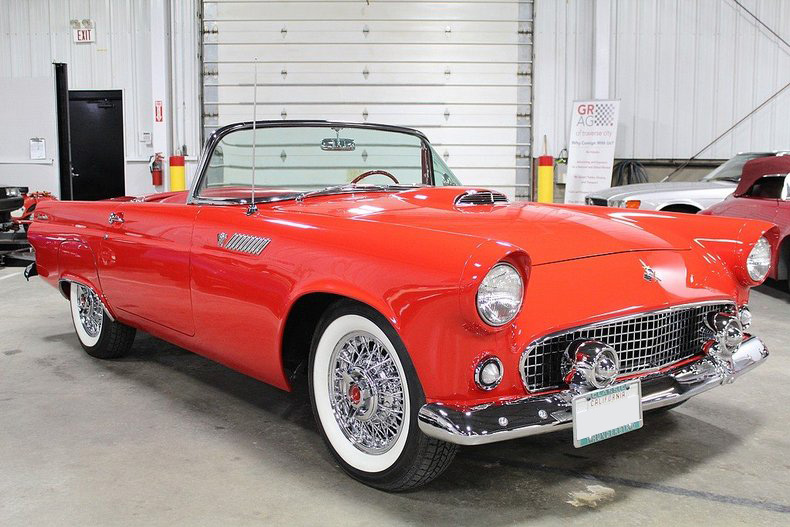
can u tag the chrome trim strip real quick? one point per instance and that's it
(522, 361)
(547, 413)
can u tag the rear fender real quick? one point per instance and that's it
(78, 263)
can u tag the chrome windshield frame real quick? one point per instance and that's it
(214, 139)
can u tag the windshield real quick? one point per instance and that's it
(299, 158)
(730, 170)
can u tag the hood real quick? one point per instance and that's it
(626, 191)
(547, 233)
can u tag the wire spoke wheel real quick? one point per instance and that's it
(366, 392)
(90, 310)
(365, 395)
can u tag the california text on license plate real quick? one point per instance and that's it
(607, 412)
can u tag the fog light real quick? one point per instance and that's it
(746, 317)
(590, 363)
(488, 373)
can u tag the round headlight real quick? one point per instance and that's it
(499, 295)
(759, 260)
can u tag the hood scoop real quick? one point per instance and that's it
(479, 197)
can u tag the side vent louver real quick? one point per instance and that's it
(244, 243)
(480, 197)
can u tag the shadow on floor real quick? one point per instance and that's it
(509, 482)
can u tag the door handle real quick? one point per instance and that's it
(115, 217)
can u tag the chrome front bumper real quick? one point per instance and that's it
(541, 414)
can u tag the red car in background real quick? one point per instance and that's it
(764, 194)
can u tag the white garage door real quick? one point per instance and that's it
(460, 71)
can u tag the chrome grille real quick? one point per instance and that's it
(244, 243)
(480, 197)
(643, 342)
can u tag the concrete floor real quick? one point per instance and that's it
(165, 437)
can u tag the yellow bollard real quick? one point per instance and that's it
(545, 179)
(178, 180)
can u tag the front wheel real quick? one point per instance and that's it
(99, 335)
(365, 396)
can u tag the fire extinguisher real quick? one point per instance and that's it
(155, 166)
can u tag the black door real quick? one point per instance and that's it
(96, 129)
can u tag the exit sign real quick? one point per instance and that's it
(84, 35)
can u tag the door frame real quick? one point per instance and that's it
(63, 129)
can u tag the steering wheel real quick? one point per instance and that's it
(369, 173)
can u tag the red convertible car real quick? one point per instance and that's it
(764, 193)
(424, 315)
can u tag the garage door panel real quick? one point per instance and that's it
(373, 77)
(351, 52)
(359, 10)
(361, 32)
(355, 93)
(270, 66)
(415, 116)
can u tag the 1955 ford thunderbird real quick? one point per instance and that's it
(425, 315)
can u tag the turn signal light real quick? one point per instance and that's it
(633, 204)
(488, 373)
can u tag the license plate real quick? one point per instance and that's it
(607, 412)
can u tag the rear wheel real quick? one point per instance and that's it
(99, 335)
(365, 396)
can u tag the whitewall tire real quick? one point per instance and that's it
(99, 335)
(365, 395)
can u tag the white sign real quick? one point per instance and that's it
(38, 148)
(591, 148)
(84, 35)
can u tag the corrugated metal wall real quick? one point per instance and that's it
(458, 70)
(685, 71)
(36, 33)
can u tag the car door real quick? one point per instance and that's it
(238, 291)
(144, 262)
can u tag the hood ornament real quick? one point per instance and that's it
(650, 274)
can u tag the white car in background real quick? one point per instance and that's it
(677, 193)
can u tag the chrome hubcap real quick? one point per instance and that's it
(366, 392)
(91, 311)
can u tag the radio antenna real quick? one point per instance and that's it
(253, 208)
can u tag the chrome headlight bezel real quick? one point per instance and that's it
(758, 262)
(516, 301)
